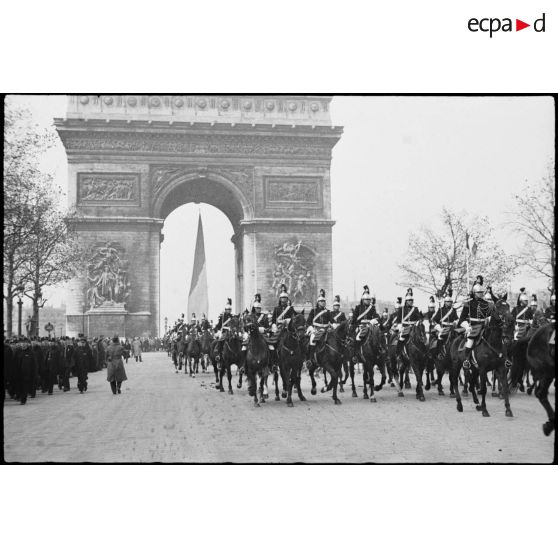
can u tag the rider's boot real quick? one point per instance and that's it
(467, 353)
(310, 355)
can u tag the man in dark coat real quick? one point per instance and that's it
(337, 316)
(363, 315)
(84, 362)
(284, 311)
(116, 374)
(25, 371)
(318, 320)
(444, 318)
(405, 318)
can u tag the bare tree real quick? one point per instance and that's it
(437, 256)
(533, 219)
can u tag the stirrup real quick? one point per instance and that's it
(466, 364)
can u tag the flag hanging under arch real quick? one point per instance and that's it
(198, 297)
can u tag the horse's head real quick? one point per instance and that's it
(418, 333)
(234, 324)
(297, 325)
(503, 318)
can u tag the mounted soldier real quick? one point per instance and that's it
(405, 318)
(522, 315)
(284, 311)
(363, 315)
(474, 317)
(318, 320)
(388, 324)
(445, 318)
(428, 315)
(337, 316)
(550, 311)
(261, 319)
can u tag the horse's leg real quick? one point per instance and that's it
(289, 371)
(407, 379)
(417, 369)
(371, 382)
(400, 383)
(541, 393)
(298, 389)
(440, 368)
(365, 380)
(229, 379)
(263, 386)
(381, 363)
(276, 382)
(427, 386)
(313, 391)
(222, 372)
(501, 374)
(483, 389)
(334, 381)
(352, 374)
(343, 380)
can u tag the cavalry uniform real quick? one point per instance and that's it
(284, 311)
(474, 316)
(364, 314)
(337, 317)
(318, 320)
(444, 318)
(261, 320)
(523, 317)
(405, 317)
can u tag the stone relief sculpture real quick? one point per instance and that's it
(292, 191)
(294, 268)
(117, 188)
(107, 276)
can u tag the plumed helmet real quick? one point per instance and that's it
(257, 297)
(522, 296)
(431, 302)
(449, 295)
(366, 293)
(488, 295)
(336, 300)
(478, 288)
(398, 302)
(322, 297)
(409, 294)
(228, 306)
(534, 300)
(553, 297)
(385, 312)
(283, 291)
(479, 280)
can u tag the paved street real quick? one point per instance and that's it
(166, 417)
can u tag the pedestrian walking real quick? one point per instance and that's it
(136, 349)
(115, 366)
(127, 349)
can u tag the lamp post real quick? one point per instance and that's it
(19, 307)
(84, 308)
(166, 322)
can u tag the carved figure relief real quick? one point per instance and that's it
(107, 275)
(107, 187)
(281, 190)
(294, 268)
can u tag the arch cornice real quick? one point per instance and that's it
(239, 181)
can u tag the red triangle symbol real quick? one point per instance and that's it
(519, 25)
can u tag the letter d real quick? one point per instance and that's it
(535, 25)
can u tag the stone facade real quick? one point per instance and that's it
(265, 162)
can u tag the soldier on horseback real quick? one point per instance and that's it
(223, 325)
(405, 318)
(318, 320)
(283, 311)
(550, 311)
(261, 320)
(522, 315)
(364, 314)
(474, 316)
(444, 318)
(337, 316)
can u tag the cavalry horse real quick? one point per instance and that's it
(290, 351)
(205, 344)
(442, 358)
(372, 352)
(490, 353)
(329, 356)
(193, 353)
(541, 359)
(256, 361)
(414, 355)
(231, 353)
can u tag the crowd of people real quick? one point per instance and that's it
(39, 364)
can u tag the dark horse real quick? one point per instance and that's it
(193, 353)
(257, 360)
(291, 356)
(490, 353)
(541, 359)
(231, 352)
(205, 341)
(329, 356)
(414, 355)
(372, 353)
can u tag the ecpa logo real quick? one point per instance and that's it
(492, 25)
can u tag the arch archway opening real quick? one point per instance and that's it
(177, 257)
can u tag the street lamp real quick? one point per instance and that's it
(20, 290)
(166, 322)
(84, 308)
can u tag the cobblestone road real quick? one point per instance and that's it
(166, 417)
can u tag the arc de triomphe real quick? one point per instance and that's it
(263, 160)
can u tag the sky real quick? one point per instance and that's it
(399, 162)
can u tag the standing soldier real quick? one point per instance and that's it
(405, 318)
(337, 316)
(84, 359)
(474, 316)
(283, 312)
(318, 320)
